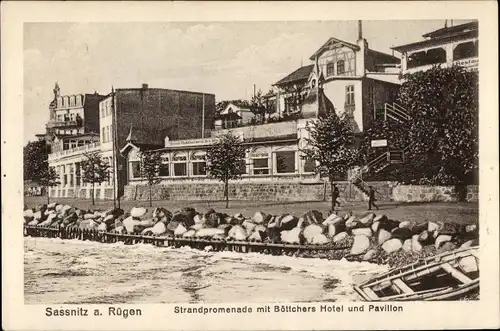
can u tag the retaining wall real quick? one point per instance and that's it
(428, 193)
(292, 191)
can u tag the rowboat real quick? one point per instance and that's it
(447, 276)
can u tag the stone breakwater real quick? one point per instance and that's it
(370, 237)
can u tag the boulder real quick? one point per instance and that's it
(159, 228)
(340, 236)
(468, 264)
(415, 243)
(406, 224)
(260, 228)
(312, 230)
(362, 231)
(130, 223)
(407, 245)
(441, 239)
(360, 245)
(471, 228)
(37, 215)
(432, 226)
(375, 226)
(274, 234)
(138, 212)
(102, 227)
(383, 236)
(392, 245)
(51, 205)
(33, 222)
(209, 232)
(90, 216)
(291, 236)
(225, 227)
(367, 220)
(351, 222)
(237, 232)
(180, 229)
(219, 237)
(259, 218)
(369, 255)
(273, 222)
(256, 236)
(109, 219)
(313, 217)
(469, 243)
(213, 220)
(319, 239)
(447, 246)
(249, 226)
(426, 238)
(197, 226)
(172, 226)
(333, 219)
(58, 208)
(183, 218)
(198, 219)
(401, 233)
(380, 218)
(287, 222)
(189, 234)
(88, 224)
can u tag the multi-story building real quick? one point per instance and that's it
(152, 113)
(73, 119)
(451, 45)
(358, 80)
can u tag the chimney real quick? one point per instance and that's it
(144, 86)
(360, 30)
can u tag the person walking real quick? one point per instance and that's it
(371, 198)
(335, 196)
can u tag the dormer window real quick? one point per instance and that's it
(340, 67)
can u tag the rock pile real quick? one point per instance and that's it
(371, 237)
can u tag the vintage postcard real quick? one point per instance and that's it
(250, 165)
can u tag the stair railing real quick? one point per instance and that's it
(379, 159)
(395, 112)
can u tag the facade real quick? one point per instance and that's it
(358, 81)
(71, 115)
(454, 45)
(151, 114)
(235, 114)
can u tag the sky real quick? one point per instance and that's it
(223, 58)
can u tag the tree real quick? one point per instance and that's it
(443, 135)
(331, 144)
(225, 161)
(95, 170)
(260, 105)
(48, 178)
(35, 158)
(150, 170)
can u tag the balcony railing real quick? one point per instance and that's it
(76, 150)
(62, 124)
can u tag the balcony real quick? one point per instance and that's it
(63, 124)
(93, 147)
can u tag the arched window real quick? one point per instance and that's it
(198, 164)
(180, 164)
(423, 58)
(466, 50)
(164, 166)
(260, 161)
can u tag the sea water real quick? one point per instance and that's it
(74, 271)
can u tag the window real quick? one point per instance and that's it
(65, 145)
(135, 169)
(74, 143)
(110, 177)
(109, 133)
(199, 165)
(65, 176)
(329, 69)
(102, 109)
(180, 164)
(309, 165)
(71, 173)
(349, 95)
(81, 143)
(77, 173)
(466, 50)
(164, 170)
(260, 160)
(340, 67)
(431, 56)
(285, 162)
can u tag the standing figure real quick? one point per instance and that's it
(335, 196)
(371, 198)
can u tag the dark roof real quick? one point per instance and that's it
(300, 74)
(452, 30)
(292, 136)
(386, 58)
(147, 147)
(75, 135)
(239, 103)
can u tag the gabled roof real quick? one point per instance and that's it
(452, 30)
(298, 75)
(140, 147)
(334, 40)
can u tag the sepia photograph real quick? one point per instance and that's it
(255, 161)
(257, 165)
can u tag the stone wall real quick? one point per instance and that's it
(291, 191)
(428, 193)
